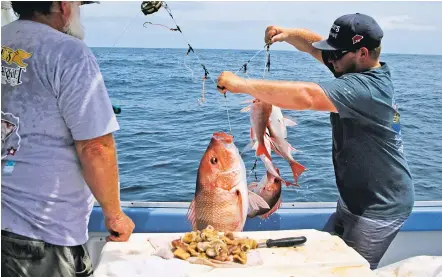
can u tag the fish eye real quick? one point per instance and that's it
(213, 160)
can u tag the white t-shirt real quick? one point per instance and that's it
(52, 94)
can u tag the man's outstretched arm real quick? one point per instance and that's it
(284, 94)
(301, 39)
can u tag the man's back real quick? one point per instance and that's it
(372, 173)
(52, 94)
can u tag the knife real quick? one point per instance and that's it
(284, 242)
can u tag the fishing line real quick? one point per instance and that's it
(133, 19)
(150, 7)
(117, 110)
(266, 70)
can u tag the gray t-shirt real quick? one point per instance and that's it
(52, 94)
(372, 172)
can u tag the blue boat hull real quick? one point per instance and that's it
(420, 235)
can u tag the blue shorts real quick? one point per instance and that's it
(369, 237)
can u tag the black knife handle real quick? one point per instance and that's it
(286, 242)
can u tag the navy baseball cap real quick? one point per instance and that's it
(89, 2)
(350, 32)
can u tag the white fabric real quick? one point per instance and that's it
(420, 266)
(322, 255)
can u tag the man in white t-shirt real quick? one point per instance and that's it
(58, 149)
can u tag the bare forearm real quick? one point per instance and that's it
(284, 94)
(289, 95)
(302, 40)
(100, 170)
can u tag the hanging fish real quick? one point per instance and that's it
(222, 199)
(269, 188)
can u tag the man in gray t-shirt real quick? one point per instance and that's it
(376, 191)
(58, 150)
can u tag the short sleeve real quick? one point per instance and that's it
(84, 102)
(349, 95)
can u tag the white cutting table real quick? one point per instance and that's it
(322, 255)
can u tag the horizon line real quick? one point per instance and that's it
(240, 49)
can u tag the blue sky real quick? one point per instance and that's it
(409, 27)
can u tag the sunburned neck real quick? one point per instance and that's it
(370, 66)
(44, 19)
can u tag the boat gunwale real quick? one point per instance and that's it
(286, 205)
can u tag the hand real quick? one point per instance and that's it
(274, 34)
(120, 226)
(228, 81)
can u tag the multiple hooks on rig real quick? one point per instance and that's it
(150, 7)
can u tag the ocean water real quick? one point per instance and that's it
(165, 131)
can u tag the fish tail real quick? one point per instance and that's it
(272, 210)
(262, 150)
(297, 170)
(288, 184)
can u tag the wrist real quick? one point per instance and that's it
(111, 211)
(243, 86)
(291, 34)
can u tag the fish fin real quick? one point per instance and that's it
(297, 169)
(246, 109)
(247, 101)
(262, 150)
(256, 202)
(249, 146)
(289, 121)
(191, 214)
(270, 167)
(293, 149)
(275, 172)
(274, 146)
(240, 207)
(252, 134)
(273, 209)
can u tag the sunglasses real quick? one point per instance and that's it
(336, 55)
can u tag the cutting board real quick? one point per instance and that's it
(322, 255)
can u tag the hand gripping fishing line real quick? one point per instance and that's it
(150, 7)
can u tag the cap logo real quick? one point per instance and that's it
(357, 38)
(334, 28)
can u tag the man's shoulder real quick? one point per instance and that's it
(60, 47)
(379, 75)
(70, 48)
(381, 71)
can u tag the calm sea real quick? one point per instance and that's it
(165, 131)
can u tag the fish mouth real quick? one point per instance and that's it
(223, 137)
